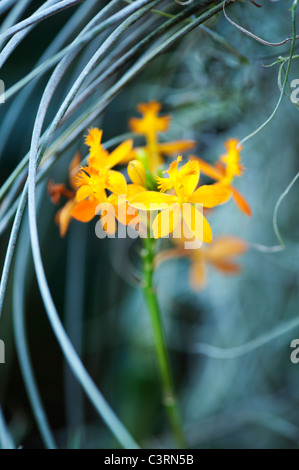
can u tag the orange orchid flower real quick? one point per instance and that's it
(150, 125)
(114, 207)
(225, 170)
(117, 208)
(175, 208)
(220, 255)
(64, 215)
(99, 158)
(97, 176)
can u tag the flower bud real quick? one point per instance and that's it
(136, 172)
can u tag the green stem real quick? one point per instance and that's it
(169, 398)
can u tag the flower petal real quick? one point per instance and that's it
(164, 184)
(152, 107)
(83, 193)
(150, 200)
(176, 147)
(136, 172)
(197, 275)
(151, 122)
(64, 216)
(97, 154)
(209, 170)
(166, 221)
(133, 190)
(116, 182)
(57, 190)
(227, 267)
(226, 247)
(241, 202)
(74, 170)
(94, 137)
(173, 169)
(211, 195)
(120, 153)
(197, 223)
(189, 177)
(85, 211)
(98, 158)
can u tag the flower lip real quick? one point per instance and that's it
(173, 208)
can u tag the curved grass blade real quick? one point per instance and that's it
(21, 274)
(17, 39)
(38, 17)
(6, 441)
(21, 99)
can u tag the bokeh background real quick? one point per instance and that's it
(245, 397)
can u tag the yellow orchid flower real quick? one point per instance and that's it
(175, 208)
(117, 207)
(93, 179)
(99, 158)
(151, 122)
(64, 215)
(93, 199)
(91, 183)
(150, 125)
(232, 161)
(98, 175)
(91, 192)
(225, 170)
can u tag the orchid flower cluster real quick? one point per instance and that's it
(154, 200)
